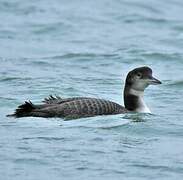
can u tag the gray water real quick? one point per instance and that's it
(85, 48)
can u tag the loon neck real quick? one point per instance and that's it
(134, 100)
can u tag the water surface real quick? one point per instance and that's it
(86, 48)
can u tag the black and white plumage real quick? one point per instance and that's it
(79, 107)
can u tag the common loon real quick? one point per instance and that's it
(79, 107)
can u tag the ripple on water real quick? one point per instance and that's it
(45, 138)
(175, 84)
(30, 161)
(162, 56)
(13, 79)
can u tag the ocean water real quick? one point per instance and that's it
(85, 48)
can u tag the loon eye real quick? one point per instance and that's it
(139, 75)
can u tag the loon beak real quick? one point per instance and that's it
(154, 81)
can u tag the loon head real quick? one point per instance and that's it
(136, 81)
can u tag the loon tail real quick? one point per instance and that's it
(23, 110)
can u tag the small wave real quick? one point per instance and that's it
(82, 168)
(45, 138)
(137, 117)
(142, 19)
(46, 28)
(176, 83)
(42, 63)
(158, 167)
(9, 79)
(7, 99)
(4, 79)
(98, 122)
(97, 139)
(29, 161)
(113, 126)
(161, 56)
(79, 55)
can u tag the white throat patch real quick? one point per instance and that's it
(136, 92)
(142, 107)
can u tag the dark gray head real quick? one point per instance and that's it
(136, 82)
(140, 78)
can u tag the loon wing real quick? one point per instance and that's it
(51, 99)
(58, 100)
